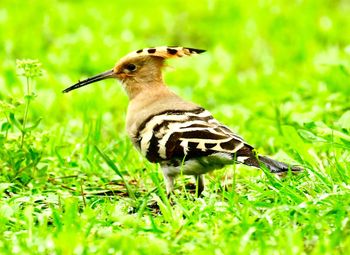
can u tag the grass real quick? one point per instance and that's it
(277, 73)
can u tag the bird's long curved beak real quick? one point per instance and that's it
(98, 77)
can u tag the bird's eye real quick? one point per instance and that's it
(130, 67)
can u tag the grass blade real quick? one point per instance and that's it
(111, 164)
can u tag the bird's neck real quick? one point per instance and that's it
(147, 93)
(136, 88)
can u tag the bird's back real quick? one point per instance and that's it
(172, 131)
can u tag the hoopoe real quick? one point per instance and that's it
(179, 135)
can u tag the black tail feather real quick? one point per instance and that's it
(277, 167)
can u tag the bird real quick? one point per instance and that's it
(183, 137)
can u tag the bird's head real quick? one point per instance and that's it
(139, 67)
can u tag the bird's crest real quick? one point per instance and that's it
(165, 52)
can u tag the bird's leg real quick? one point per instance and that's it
(199, 184)
(169, 183)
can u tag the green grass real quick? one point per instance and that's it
(278, 73)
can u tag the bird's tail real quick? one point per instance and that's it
(277, 167)
(274, 166)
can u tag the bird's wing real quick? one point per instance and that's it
(188, 134)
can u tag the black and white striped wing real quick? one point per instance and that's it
(187, 134)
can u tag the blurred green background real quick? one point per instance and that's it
(261, 55)
(276, 72)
